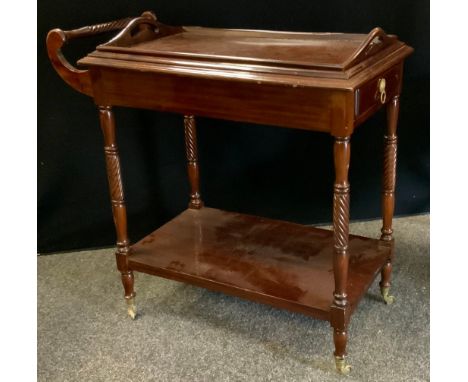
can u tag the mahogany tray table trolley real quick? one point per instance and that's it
(327, 82)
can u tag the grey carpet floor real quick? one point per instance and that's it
(185, 333)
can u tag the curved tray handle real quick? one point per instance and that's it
(126, 36)
(141, 29)
(79, 79)
(376, 40)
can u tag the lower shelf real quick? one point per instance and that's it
(284, 264)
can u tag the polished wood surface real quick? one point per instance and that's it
(228, 87)
(341, 251)
(285, 106)
(284, 264)
(326, 82)
(319, 54)
(119, 211)
(389, 168)
(388, 183)
(367, 102)
(314, 81)
(191, 148)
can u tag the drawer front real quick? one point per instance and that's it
(372, 95)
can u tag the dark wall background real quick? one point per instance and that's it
(268, 171)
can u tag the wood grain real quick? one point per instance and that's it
(192, 161)
(116, 190)
(324, 82)
(284, 264)
(389, 168)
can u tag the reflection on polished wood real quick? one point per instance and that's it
(326, 82)
(270, 261)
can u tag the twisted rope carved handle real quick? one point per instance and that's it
(97, 29)
(56, 38)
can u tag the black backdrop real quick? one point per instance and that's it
(267, 171)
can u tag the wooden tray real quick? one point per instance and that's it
(328, 55)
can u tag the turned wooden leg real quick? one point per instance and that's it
(342, 150)
(388, 191)
(119, 212)
(192, 161)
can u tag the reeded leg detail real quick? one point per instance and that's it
(119, 210)
(192, 161)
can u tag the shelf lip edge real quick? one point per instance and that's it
(230, 290)
(320, 311)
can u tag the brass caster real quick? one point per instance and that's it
(131, 308)
(387, 298)
(342, 366)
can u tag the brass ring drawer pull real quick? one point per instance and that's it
(381, 89)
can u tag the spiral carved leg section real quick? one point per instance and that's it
(388, 186)
(119, 210)
(388, 192)
(341, 233)
(342, 152)
(389, 169)
(192, 161)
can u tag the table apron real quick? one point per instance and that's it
(309, 108)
